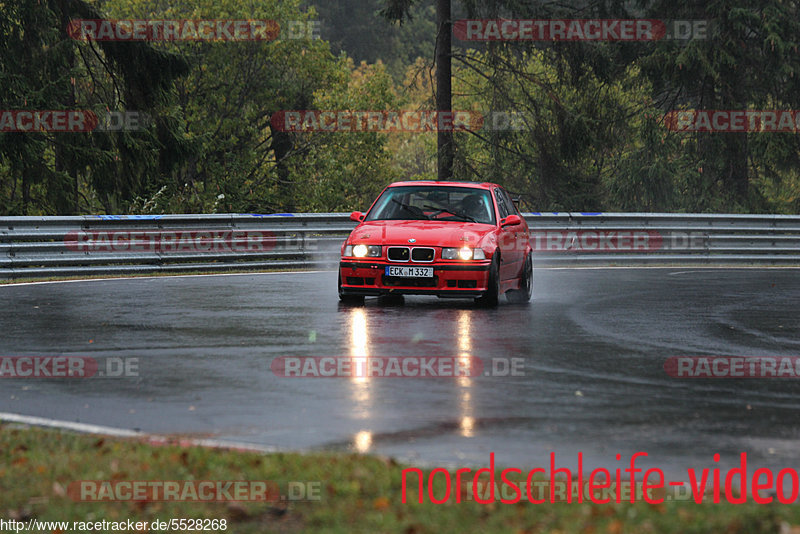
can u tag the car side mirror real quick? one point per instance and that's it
(357, 216)
(511, 220)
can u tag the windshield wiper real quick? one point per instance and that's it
(464, 216)
(452, 212)
(411, 209)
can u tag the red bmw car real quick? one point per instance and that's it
(449, 239)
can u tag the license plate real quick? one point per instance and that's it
(409, 272)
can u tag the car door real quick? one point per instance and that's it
(521, 231)
(507, 241)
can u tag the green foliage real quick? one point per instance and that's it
(590, 129)
(227, 99)
(341, 171)
(571, 143)
(41, 68)
(748, 61)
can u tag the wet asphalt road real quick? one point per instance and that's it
(594, 342)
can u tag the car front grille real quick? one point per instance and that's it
(398, 253)
(422, 254)
(418, 254)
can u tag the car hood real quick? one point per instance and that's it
(426, 233)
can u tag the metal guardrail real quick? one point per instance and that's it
(130, 244)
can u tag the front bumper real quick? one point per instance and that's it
(453, 280)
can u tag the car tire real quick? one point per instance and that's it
(490, 299)
(349, 299)
(523, 294)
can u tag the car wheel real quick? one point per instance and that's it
(523, 294)
(490, 298)
(348, 299)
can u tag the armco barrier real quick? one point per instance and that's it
(128, 244)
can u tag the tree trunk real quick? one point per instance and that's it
(444, 97)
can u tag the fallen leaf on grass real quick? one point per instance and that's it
(615, 527)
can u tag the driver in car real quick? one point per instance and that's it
(472, 205)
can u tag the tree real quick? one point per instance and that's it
(398, 10)
(749, 60)
(42, 68)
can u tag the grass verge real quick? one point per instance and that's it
(357, 493)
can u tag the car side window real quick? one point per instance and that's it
(512, 208)
(501, 204)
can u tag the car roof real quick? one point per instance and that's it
(474, 185)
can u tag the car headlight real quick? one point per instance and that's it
(362, 251)
(449, 253)
(464, 253)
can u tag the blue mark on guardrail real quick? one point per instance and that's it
(540, 213)
(269, 214)
(122, 217)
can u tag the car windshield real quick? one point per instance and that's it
(437, 203)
